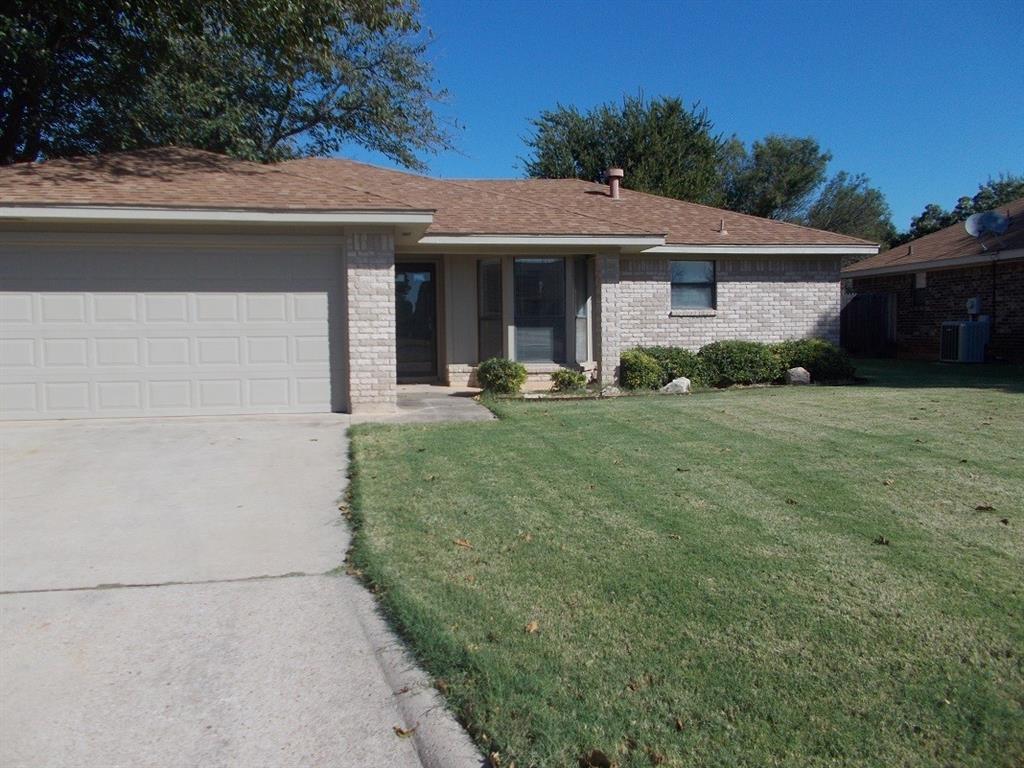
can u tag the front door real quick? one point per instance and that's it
(416, 321)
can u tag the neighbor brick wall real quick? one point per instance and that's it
(768, 299)
(919, 319)
(370, 295)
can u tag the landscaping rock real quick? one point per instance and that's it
(610, 391)
(798, 376)
(680, 386)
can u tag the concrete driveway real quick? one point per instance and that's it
(170, 598)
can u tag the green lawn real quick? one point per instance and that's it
(785, 576)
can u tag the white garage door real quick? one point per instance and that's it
(94, 329)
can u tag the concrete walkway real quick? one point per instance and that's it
(170, 598)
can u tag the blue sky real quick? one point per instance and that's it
(927, 99)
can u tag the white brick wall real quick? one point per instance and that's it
(769, 299)
(370, 295)
(608, 304)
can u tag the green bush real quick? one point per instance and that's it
(501, 376)
(566, 380)
(675, 362)
(724, 363)
(638, 370)
(822, 359)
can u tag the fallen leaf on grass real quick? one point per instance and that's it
(405, 733)
(679, 724)
(1005, 521)
(881, 541)
(888, 481)
(532, 627)
(791, 501)
(442, 685)
(675, 536)
(464, 543)
(595, 758)
(984, 508)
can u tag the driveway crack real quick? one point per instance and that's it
(148, 585)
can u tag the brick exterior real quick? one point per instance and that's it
(608, 317)
(767, 299)
(999, 285)
(370, 297)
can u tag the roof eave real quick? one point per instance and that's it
(754, 249)
(173, 215)
(986, 257)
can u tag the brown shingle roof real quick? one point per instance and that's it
(174, 177)
(188, 178)
(566, 206)
(467, 208)
(682, 222)
(953, 242)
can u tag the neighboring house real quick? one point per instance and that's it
(921, 284)
(174, 281)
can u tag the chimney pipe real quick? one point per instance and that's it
(614, 176)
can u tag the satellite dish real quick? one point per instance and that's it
(987, 223)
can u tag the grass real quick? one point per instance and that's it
(786, 576)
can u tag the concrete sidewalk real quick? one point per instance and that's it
(246, 647)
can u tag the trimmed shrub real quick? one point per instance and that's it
(724, 363)
(638, 370)
(823, 359)
(566, 380)
(501, 376)
(675, 362)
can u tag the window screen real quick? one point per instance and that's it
(693, 284)
(489, 308)
(540, 310)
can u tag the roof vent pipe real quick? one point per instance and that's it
(614, 176)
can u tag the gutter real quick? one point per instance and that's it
(767, 250)
(142, 215)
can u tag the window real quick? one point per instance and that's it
(488, 278)
(693, 284)
(581, 294)
(539, 286)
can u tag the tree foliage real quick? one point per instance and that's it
(667, 149)
(993, 193)
(664, 147)
(777, 178)
(260, 80)
(849, 205)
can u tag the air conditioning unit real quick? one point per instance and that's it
(964, 341)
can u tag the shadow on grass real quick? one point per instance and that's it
(911, 374)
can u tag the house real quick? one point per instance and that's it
(174, 281)
(920, 285)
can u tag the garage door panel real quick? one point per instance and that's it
(137, 336)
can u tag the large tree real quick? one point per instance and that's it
(258, 79)
(993, 193)
(664, 147)
(776, 178)
(851, 206)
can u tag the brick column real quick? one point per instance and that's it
(608, 305)
(370, 300)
